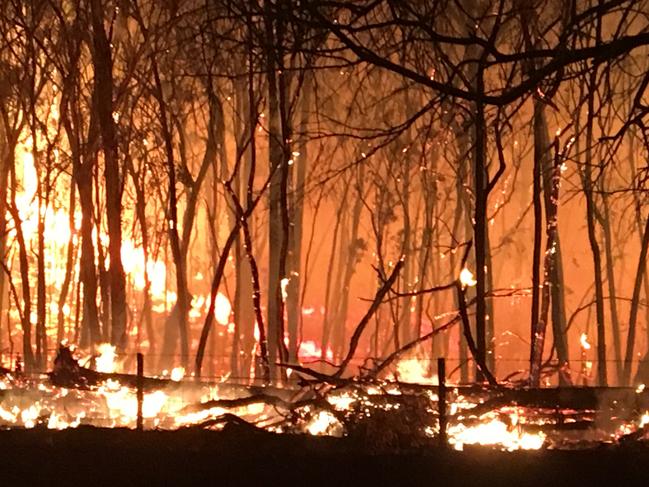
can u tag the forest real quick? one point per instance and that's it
(249, 189)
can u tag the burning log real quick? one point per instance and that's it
(69, 373)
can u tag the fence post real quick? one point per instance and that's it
(441, 401)
(140, 390)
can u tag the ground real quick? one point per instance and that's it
(93, 456)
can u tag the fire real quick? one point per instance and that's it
(323, 423)
(284, 286)
(177, 374)
(122, 403)
(644, 420)
(223, 309)
(467, 279)
(494, 433)
(105, 362)
(310, 350)
(341, 402)
(583, 340)
(415, 371)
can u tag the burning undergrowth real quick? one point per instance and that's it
(377, 415)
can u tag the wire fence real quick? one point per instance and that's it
(218, 367)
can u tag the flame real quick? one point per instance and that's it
(122, 402)
(583, 341)
(644, 420)
(105, 362)
(322, 423)
(341, 402)
(492, 431)
(414, 371)
(310, 350)
(284, 285)
(467, 279)
(177, 374)
(495, 433)
(223, 309)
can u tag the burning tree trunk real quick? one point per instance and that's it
(462, 208)
(549, 268)
(102, 61)
(70, 115)
(544, 179)
(545, 176)
(480, 226)
(536, 254)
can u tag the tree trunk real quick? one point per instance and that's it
(88, 273)
(278, 167)
(28, 355)
(102, 61)
(244, 317)
(592, 237)
(355, 246)
(300, 164)
(635, 301)
(181, 308)
(69, 266)
(545, 175)
(480, 227)
(610, 277)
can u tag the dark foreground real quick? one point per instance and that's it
(90, 456)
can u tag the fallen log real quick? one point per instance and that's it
(67, 372)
